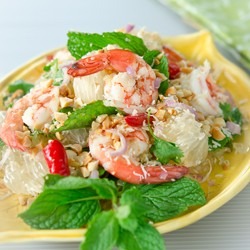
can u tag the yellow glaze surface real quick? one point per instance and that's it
(198, 47)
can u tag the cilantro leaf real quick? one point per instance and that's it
(55, 209)
(232, 114)
(20, 84)
(145, 237)
(170, 199)
(102, 233)
(214, 144)
(79, 44)
(165, 151)
(83, 117)
(52, 71)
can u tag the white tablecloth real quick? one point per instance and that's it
(28, 28)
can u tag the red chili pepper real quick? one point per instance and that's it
(137, 120)
(174, 70)
(56, 158)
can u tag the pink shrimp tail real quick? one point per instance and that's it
(116, 59)
(137, 174)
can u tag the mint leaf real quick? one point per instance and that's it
(232, 114)
(20, 84)
(102, 233)
(62, 209)
(145, 237)
(165, 151)
(150, 55)
(170, 199)
(79, 44)
(104, 188)
(132, 207)
(162, 66)
(83, 117)
(163, 87)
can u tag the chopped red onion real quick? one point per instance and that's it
(94, 174)
(129, 28)
(233, 127)
(173, 104)
(131, 71)
(157, 82)
(123, 146)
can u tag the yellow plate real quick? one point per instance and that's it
(198, 46)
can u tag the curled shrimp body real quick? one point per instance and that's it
(207, 94)
(129, 82)
(33, 110)
(122, 151)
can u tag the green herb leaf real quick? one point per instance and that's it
(214, 144)
(162, 66)
(79, 44)
(104, 188)
(165, 151)
(163, 87)
(132, 208)
(52, 71)
(20, 84)
(150, 55)
(145, 237)
(231, 113)
(1, 143)
(82, 118)
(55, 209)
(170, 199)
(102, 233)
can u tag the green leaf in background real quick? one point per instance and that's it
(228, 21)
(79, 44)
(170, 199)
(20, 84)
(83, 117)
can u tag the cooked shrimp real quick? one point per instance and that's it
(207, 94)
(121, 151)
(129, 82)
(33, 110)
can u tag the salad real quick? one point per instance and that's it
(117, 133)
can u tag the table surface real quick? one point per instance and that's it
(28, 28)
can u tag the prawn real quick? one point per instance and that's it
(129, 82)
(207, 94)
(33, 110)
(122, 148)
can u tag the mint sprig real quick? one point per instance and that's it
(116, 214)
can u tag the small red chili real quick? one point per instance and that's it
(174, 70)
(137, 120)
(56, 158)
